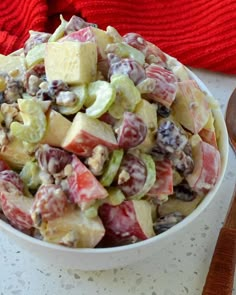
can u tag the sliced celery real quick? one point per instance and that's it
(81, 93)
(101, 96)
(112, 167)
(124, 50)
(60, 30)
(127, 96)
(35, 55)
(34, 119)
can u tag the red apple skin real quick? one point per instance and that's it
(164, 179)
(209, 136)
(121, 223)
(165, 85)
(85, 133)
(91, 34)
(82, 35)
(15, 206)
(13, 177)
(207, 164)
(83, 187)
(4, 165)
(83, 144)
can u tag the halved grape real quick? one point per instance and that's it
(34, 119)
(150, 178)
(132, 131)
(101, 97)
(131, 175)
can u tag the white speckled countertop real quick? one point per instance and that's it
(178, 269)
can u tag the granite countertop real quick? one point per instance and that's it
(178, 269)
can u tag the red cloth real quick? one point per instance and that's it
(199, 33)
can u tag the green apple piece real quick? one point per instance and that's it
(102, 39)
(114, 34)
(70, 61)
(112, 167)
(57, 127)
(115, 196)
(124, 50)
(74, 229)
(102, 95)
(92, 211)
(30, 175)
(191, 108)
(127, 96)
(13, 65)
(177, 178)
(60, 30)
(148, 113)
(143, 211)
(173, 205)
(150, 178)
(15, 154)
(177, 68)
(34, 119)
(208, 132)
(35, 55)
(81, 93)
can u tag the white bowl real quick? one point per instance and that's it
(107, 258)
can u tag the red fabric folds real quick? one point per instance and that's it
(199, 33)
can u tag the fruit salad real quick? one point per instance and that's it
(105, 139)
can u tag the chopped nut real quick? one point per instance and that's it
(3, 138)
(43, 85)
(71, 239)
(33, 84)
(66, 98)
(10, 112)
(13, 91)
(123, 176)
(98, 159)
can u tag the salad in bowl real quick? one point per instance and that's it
(106, 141)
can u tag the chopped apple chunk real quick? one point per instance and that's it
(71, 62)
(85, 133)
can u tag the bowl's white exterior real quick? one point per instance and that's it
(107, 258)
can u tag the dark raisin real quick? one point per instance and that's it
(184, 192)
(13, 91)
(163, 111)
(183, 163)
(43, 95)
(2, 100)
(169, 138)
(188, 149)
(164, 223)
(56, 86)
